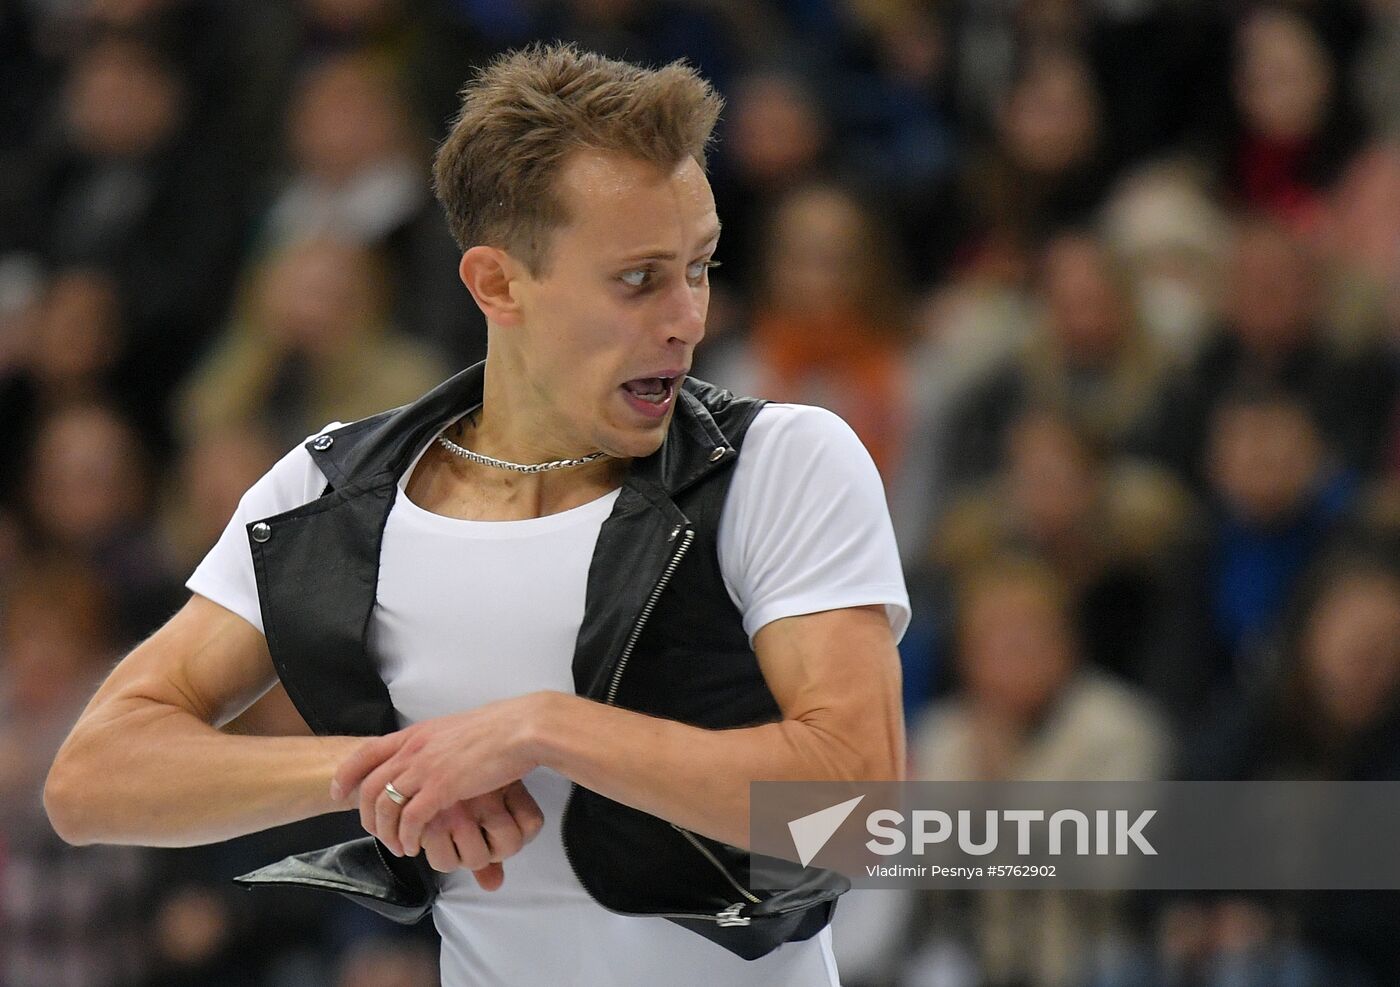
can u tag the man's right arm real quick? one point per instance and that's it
(147, 762)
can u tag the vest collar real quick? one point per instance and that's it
(694, 444)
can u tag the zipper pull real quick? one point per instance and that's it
(730, 916)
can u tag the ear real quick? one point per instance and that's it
(489, 274)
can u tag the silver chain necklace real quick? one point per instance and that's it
(501, 464)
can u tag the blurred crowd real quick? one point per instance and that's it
(1109, 288)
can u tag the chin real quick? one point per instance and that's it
(640, 447)
(635, 443)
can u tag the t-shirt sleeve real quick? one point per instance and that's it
(226, 574)
(806, 527)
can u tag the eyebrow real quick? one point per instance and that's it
(668, 254)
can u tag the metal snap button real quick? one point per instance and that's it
(717, 455)
(322, 443)
(262, 531)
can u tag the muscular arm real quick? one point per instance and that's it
(147, 762)
(836, 678)
(834, 674)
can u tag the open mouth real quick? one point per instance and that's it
(653, 390)
(651, 397)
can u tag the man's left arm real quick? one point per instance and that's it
(836, 678)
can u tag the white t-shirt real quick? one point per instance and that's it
(468, 612)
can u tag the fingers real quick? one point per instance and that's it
(483, 830)
(387, 813)
(490, 877)
(362, 760)
(476, 834)
(524, 809)
(419, 811)
(454, 840)
(440, 849)
(471, 845)
(503, 835)
(509, 817)
(380, 815)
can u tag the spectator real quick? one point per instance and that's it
(1362, 251)
(1045, 170)
(1028, 709)
(68, 355)
(358, 165)
(1272, 336)
(151, 150)
(1332, 714)
(133, 165)
(1170, 236)
(776, 136)
(210, 477)
(1089, 356)
(888, 82)
(1296, 132)
(1334, 711)
(1278, 498)
(313, 346)
(964, 330)
(1106, 529)
(69, 917)
(830, 327)
(88, 496)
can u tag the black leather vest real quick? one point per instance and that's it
(660, 635)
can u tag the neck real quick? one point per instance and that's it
(515, 421)
(508, 426)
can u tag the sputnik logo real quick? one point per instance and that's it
(811, 832)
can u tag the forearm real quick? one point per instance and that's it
(834, 675)
(144, 772)
(699, 779)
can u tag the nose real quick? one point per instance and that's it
(686, 312)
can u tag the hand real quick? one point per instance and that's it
(437, 763)
(479, 833)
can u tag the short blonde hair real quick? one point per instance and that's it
(523, 114)
(1016, 570)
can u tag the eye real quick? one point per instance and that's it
(635, 279)
(697, 271)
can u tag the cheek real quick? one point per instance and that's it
(584, 351)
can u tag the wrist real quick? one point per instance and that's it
(332, 753)
(539, 726)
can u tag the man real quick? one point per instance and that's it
(555, 584)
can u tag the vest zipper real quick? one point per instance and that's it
(695, 842)
(731, 915)
(646, 614)
(379, 851)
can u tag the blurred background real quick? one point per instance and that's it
(1109, 288)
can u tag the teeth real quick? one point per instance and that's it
(654, 397)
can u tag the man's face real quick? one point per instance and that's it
(1086, 308)
(1351, 650)
(610, 328)
(1265, 460)
(1272, 283)
(1018, 651)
